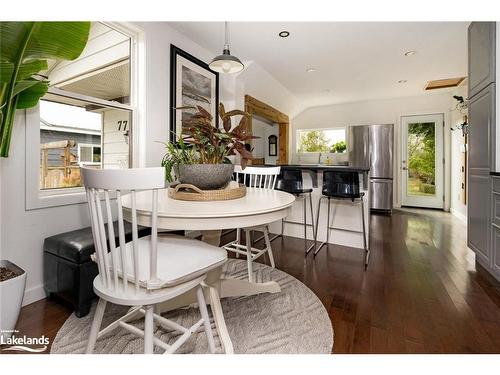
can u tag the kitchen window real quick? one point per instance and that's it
(321, 140)
(84, 120)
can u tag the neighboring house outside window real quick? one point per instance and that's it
(89, 123)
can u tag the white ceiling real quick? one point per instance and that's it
(353, 60)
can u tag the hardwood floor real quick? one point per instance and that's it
(420, 294)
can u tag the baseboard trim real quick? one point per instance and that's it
(34, 294)
(459, 215)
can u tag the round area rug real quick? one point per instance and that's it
(293, 321)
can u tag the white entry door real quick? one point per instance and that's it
(422, 161)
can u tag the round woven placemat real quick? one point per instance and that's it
(187, 192)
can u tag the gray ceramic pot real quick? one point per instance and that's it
(206, 176)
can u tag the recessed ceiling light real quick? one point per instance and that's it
(402, 81)
(310, 70)
(284, 34)
(409, 53)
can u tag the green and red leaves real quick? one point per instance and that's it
(214, 145)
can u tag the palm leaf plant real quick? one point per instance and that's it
(203, 143)
(25, 48)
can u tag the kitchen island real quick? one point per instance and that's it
(346, 214)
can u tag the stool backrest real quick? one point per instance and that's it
(257, 177)
(290, 180)
(342, 184)
(105, 183)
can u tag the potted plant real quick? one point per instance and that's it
(26, 49)
(339, 147)
(12, 283)
(200, 157)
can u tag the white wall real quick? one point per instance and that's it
(159, 36)
(23, 231)
(258, 83)
(385, 111)
(259, 130)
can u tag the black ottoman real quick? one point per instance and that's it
(68, 270)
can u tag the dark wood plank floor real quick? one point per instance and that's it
(420, 294)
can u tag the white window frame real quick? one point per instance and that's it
(297, 138)
(38, 199)
(80, 145)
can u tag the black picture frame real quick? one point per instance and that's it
(273, 145)
(174, 53)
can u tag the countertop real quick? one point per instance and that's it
(321, 167)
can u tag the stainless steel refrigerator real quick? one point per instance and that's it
(372, 146)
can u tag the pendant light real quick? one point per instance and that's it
(226, 63)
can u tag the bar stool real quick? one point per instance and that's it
(341, 185)
(290, 181)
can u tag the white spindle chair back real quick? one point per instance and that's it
(103, 183)
(258, 177)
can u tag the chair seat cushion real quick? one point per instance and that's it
(179, 260)
(78, 245)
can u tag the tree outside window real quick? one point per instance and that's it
(321, 140)
(421, 159)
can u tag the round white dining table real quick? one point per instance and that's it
(257, 207)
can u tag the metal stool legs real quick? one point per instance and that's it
(365, 245)
(329, 228)
(316, 251)
(304, 223)
(312, 223)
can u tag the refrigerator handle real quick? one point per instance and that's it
(368, 144)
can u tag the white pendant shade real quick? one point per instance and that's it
(226, 63)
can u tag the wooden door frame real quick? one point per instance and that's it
(256, 107)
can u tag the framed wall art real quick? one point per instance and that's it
(192, 83)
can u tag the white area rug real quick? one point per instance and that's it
(293, 321)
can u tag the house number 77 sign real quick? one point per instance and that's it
(123, 124)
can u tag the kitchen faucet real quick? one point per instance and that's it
(319, 158)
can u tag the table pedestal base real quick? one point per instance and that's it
(240, 288)
(217, 288)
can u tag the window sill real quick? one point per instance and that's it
(63, 197)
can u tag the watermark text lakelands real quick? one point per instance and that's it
(24, 340)
(23, 343)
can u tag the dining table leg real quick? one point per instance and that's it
(220, 323)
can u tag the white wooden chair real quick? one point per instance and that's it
(146, 271)
(260, 178)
